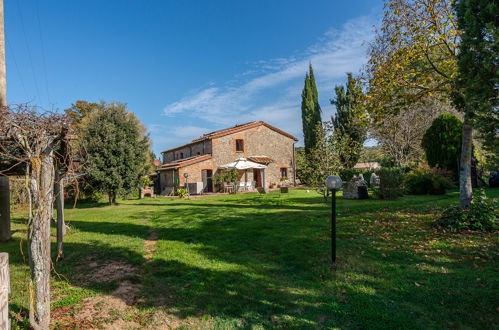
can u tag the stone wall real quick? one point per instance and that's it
(258, 141)
(195, 149)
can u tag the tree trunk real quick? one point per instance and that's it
(4, 208)
(112, 198)
(39, 241)
(59, 205)
(465, 188)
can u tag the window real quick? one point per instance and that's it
(284, 172)
(199, 153)
(239, 145)
(181, 155)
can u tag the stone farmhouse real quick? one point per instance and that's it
(197, 161)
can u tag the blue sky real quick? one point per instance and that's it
(185, 67)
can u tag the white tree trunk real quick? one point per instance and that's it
(465, 187)
(39, 241)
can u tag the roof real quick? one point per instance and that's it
(185, 162)
(232, 130)
(261, 159)
(368, 165)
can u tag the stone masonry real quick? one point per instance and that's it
(259, 140)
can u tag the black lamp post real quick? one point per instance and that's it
(333, 183)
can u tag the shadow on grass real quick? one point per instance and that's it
(268, 266)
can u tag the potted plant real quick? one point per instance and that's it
(283, 181)
(182, 193)
(273, 185)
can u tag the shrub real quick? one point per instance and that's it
(181, 192)
(146, 181)
(426, 181)
(482, 214)
(391, 183)
(442, 142)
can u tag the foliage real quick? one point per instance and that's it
(413, 56)
(426, 181)
(477, 78)
(483, 214)
(391, 183)
(416, 55)
(146, 181)
(323, 159)
(116, 149)
(442, 142)
(350, 119)
(400, 134)
(222, 176)
(80, 109)
(181, 192)
(310, 111)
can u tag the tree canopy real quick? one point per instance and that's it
(477, 80)
(116, 149)
(350, 120)
(442, 142)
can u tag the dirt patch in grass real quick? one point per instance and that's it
(110, 311)
(150, 244)
(110, 272)
(104, 311)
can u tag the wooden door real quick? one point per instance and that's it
(207, 176)
(257, 176)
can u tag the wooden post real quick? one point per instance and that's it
(4, 209)
(59, 205)
(4, 181)
(4, 291)
(3, 76)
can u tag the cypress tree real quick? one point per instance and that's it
(310, 111)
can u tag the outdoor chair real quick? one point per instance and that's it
(228, 187)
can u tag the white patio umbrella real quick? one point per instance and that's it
(243, 164)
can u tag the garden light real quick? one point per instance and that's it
(333, 183)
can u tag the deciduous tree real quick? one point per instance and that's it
(37, 142)
(415, 55)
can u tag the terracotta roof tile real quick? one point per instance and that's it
(184, 162)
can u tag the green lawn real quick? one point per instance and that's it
(246, 261)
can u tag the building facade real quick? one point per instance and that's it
(198, 161)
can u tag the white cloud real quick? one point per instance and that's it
(273, 93)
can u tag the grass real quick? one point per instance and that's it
(246, 261)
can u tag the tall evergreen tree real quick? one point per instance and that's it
(116, 149)
(310, 111)
(478, 77)
(350, 120)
